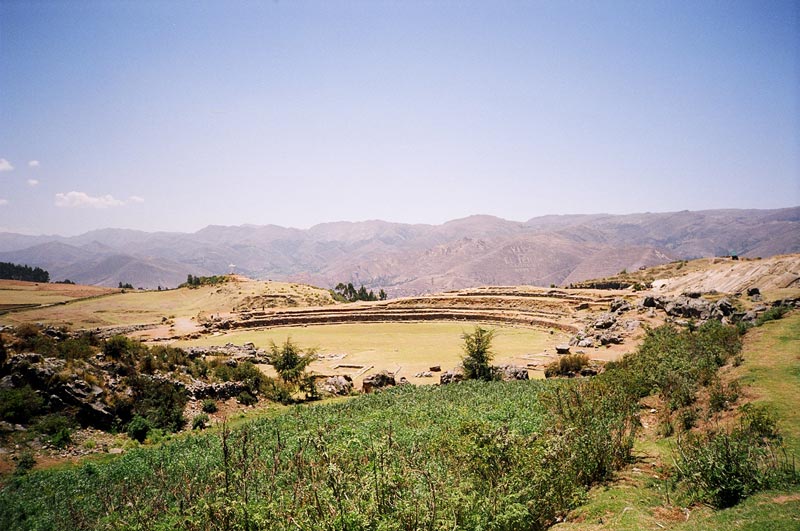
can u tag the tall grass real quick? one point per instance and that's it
(477, 455)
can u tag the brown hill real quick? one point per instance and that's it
(413, 259)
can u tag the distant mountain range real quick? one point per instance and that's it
(408, 259)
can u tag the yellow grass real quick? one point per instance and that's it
(145, 307)
(405, 348)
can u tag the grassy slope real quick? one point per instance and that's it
(141, 307)
(771, 371)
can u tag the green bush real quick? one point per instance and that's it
(246, 399)
(19, 405)
(722, 396)
(774, 313)
(58, 427)
(674, 362)
(478, 354)
(209, 405)
(200, 422)
(724, 468)
(25, 463)
(160, 402)
(138, 428)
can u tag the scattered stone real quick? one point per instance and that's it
(610, 339)
(513, 372)
(562, 349)
(587, 342)
(338, 385)
(435, 368)
(424, 374)
(454, 376)
(605, 321)
(620, 306)
(378, 381)
(582, 306)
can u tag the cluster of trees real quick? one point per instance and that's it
(127, 285)
(11, 271)
(194, 281)
(348, 292)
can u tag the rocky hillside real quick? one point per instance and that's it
(413, 259)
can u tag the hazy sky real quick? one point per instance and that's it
(174, 115)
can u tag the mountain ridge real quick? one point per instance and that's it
(410, 259)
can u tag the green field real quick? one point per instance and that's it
(409, 347)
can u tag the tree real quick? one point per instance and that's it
(478, 354)
(290, 361)
(382, 295)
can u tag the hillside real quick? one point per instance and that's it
(162, 312)
(408, 259)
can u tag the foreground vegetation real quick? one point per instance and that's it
(475, 455)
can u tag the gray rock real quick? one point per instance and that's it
(586, 343)
(620, 306)
(378, 381)
(340, 385)
(605, 321)
(513, 372)
(562, 349)
(454, 376)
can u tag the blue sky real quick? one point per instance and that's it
(175, 115)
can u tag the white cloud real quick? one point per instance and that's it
(83, 200)
(33, 163)
(3, 201)
(33, 182)
(135, 199)
(5, 165)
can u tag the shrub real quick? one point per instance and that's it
(138, 428)
(19, 405)
(478, 354)
(724, 468)
(75, 348)
(25, 463)
(246, 399)
(160, 402)
(58, 427)
(687, 417)
(568, 365)
(277, 391)
(674, 362)
(200, 421)
(722, 396)
(760, 420)
(774, 313)
(209, 405)
(290, 361)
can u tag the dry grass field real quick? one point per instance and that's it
(404, 348)
(145, 307)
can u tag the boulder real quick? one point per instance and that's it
(454, 376)
(513, 372)
(620, 306)
(562, 349)
(610, 339)
(752, 292)
(605, 321)
(435, 368)
(378, 381)
(338, 385)
(587, 342)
